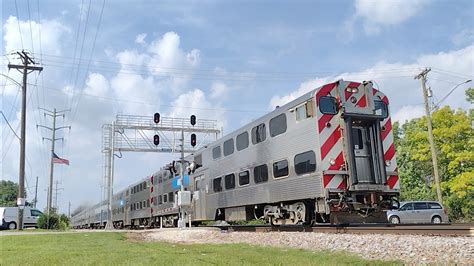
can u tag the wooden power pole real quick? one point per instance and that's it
(25, 68)
(434, 157)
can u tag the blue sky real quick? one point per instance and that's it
(226, 60)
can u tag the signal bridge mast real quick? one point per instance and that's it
(133, 133)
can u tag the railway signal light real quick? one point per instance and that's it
(193, 139)
(156, 118)
(193, 120)
(156, 140)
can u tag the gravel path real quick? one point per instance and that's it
(409, 249)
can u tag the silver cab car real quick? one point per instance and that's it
(418, 212)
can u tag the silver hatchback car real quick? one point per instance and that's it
(418, 212)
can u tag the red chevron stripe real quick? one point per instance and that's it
(347, 95)
(392, 180)
(339, 161)
(388, 128)
(389, 153)
(362, 101)
(374, 91)
(324, 90)
(330, 142)
(342, 185)
(385, 100)
(322, 121)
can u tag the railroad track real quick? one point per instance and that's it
(402, 229)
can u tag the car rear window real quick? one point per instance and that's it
(434, 205)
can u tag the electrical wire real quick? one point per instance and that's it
(6, 120)
(19, 28)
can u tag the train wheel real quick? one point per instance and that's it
(300, 212)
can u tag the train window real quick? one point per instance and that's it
(171, 197)
(217, 184)
(165, 198)
(280, 168)
(357, 137)
(258, 134)
(160, 179)
(244, 178)
(144, 204)
(277, 125)
(140, 187)
(144, 185)
(260, 173)
(216, 152)
(242, 141)
(304, 111)
(160, 201)
(228, 147)
(305, 162)
(131, 207)
(141, 205)
(229, 181)
(381, 109)
(328, 105)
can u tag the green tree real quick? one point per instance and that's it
(470, 95)
(454, 138)
(8, 193)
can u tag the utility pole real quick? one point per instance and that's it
(36, 192)
(110, 182)
(69, 210)
(182, 218)
(422, 77)
(26, 69)
(56, 189)
(53, 114)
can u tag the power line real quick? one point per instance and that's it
(31, 28)
(9, 125)
(19, 28)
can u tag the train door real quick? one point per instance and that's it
(362, 154)
(199, 197)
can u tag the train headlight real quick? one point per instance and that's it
(332, 162)
(355, 90)
(388, 163)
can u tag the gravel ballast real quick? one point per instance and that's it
(405, 248)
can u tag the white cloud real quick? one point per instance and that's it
(195, 102)
(97, 85)
(170, 61)
(377, 14)
(219, 90)
(463, 37)
(397, 81)
(140, 38)
(52, 32)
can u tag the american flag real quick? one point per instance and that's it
(56, 159)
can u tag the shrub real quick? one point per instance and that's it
(53, 221)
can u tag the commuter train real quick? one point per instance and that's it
(327, 156)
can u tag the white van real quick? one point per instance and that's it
(8, 217)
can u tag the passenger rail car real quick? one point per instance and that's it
(327, 156)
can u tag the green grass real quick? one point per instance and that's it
(115, 249)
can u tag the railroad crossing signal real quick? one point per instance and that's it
(156, 140)
(193, 120)
(156, 118)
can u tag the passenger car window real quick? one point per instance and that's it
(216, 152)
(244, 178)
(228, 147)
(280, 168)
(160, 200)
(304, 111)
(407, 207)
(420, 206)
(277, 125)
(229, 181)
(258, 134)
(217, 184)
(36, 213)
(165, 198)
(171, 197)
(242, 141)
(305, 162)
(434, 205)
(260, 173)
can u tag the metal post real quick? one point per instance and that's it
(182, 218)
(36, 192)
(110, 182)
(422, 76)
(51, 172)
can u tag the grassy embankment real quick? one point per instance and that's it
(115, 248)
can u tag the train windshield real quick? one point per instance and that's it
(381, 109)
